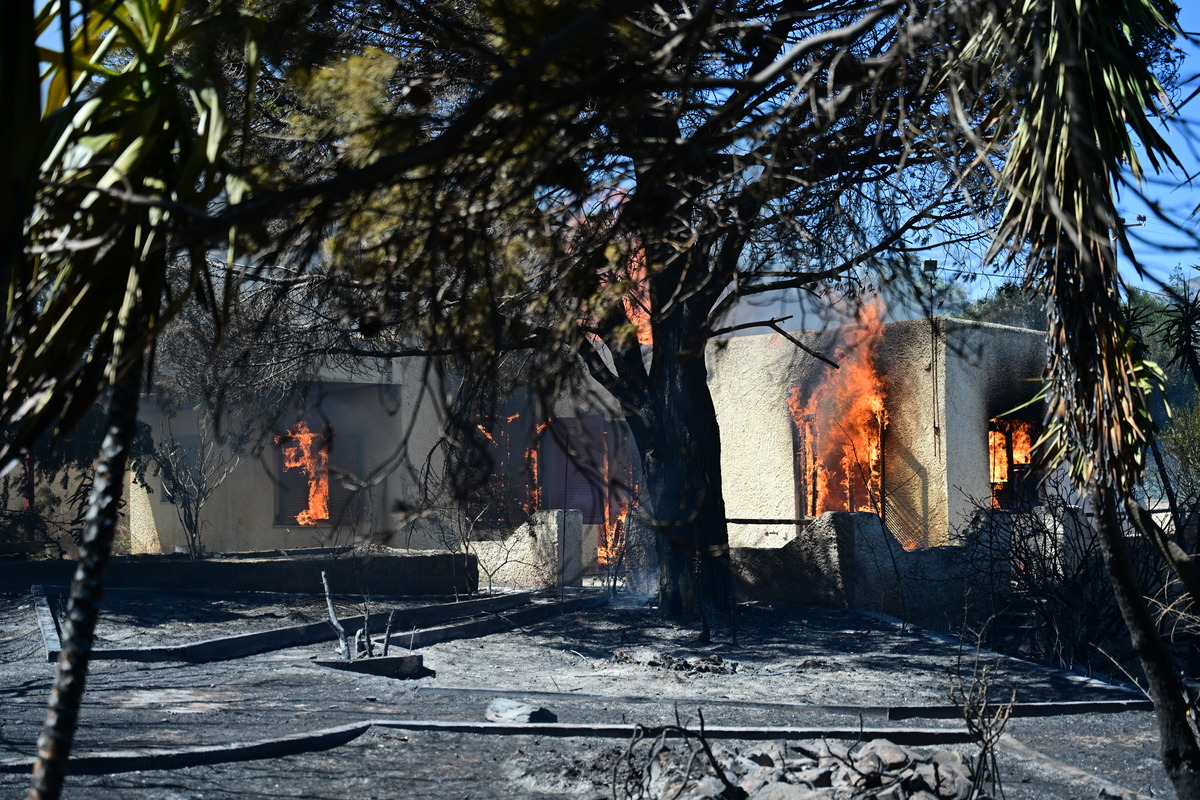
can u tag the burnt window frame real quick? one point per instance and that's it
(291, 485)
(501, 496)
(1021, 492)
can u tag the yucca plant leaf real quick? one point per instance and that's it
(122, 122)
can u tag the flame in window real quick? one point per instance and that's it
(839, 427)
(308, 452)
(510, 491)
(1010, 447)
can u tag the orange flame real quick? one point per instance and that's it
(1023, 442)
(609, 551)
(838, 429)
(1010, 444)
(637, 299)
(531, 458)
(534, 501)
(998, 462)
(309, 452)
(621, 496)
(533, 491)
(611, 548)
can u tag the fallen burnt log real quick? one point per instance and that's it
(1036, 709)
(247, 644)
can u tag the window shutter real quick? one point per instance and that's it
(507, 492)
(576, 459)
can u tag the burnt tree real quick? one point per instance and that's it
(771, 166)
(614, 204)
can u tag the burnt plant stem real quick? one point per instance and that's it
(1180, 751)
(367, 630)
(387, 633)
(343, 645)
(87, 589)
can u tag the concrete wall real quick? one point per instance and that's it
(849, 560)
(543, 552)
(800, 568)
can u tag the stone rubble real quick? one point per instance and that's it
(710, 664)
(875, 770)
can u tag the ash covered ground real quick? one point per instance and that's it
(790, 667)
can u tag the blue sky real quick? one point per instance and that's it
(1160, 246)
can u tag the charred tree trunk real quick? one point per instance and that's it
(681, 469)
(1180, 751)
(680, 446)
(83, 607)
(667, 400)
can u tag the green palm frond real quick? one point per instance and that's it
(133, 146)
(1088, 105)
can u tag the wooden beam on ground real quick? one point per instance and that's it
(916, 737)
(1045, 709)
(495, 624)
(876, 712)
(47, 623)
(178, 758)
(1039, 709)
(247, 644)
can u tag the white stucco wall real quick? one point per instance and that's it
(915, 441)
(749, 379)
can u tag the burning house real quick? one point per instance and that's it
(910, 434)
(917, 425)
(369, 458)
(320, 473)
